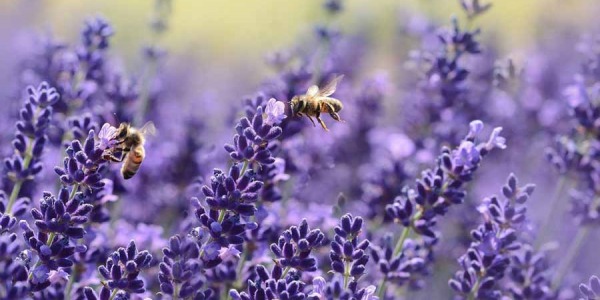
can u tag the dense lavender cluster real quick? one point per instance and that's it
(497, 247)
(250, 201)
(121, 273)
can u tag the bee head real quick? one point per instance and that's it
(296, 105)
(123, 131)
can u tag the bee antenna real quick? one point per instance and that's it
(116, 118)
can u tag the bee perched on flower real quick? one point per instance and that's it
(128, 141)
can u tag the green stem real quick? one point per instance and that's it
(13, 196)
(381, 288)
(400, 243)
(244, 167)
(19, 183)
(220, 220)
(474, 290)
(397, 250)
(285, 271)
(240, 268)
(225, 292)
(572, 252)
(113, 294)
(574, 248)
(221, 216)
(52, 235)
(70, 284)
(39, 262)
(242, 259)
(176, 291)
(545, 224)
(145, 93)
(74, 191)
(346, 274)
(51, 238)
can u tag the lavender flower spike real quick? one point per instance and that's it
(30, 138)
(121, 273)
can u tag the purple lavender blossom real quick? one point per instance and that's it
(271, 286)
(106, 135)
(178, 270)
(30, 138)
(62, 218)
(494, 245)
(252, 138)
(592, 289)
(294, 246)
(121, 273)
(275, 112)
(436, 191)
(348, 256)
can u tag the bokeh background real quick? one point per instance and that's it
(217, 53)
(229, 42)
(206, 35)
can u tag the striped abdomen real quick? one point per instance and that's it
(133, 161)
(331, 102)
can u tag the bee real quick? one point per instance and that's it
(317, 101)
(130, 143)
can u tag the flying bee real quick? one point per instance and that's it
(130, 143)
(317, 101)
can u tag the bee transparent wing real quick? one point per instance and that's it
(312, 91)
(330, 87)
(148, 128)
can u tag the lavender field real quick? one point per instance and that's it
(333, 149)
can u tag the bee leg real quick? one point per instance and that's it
(313, 121)
(336, 117)
(334, 114)
(109, 156)
(318, 116)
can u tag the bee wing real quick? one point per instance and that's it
(330, 87)
(148, 128)
(312, 91)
